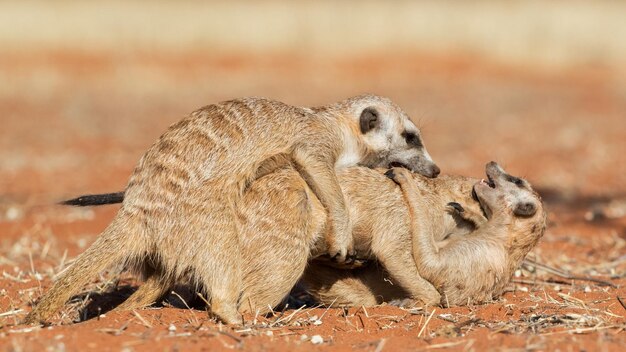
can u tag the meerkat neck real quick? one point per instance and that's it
(353, 147)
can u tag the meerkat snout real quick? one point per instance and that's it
(392, 138)
(503, 191)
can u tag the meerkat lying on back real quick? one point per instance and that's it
(179, 220)
(471, 267)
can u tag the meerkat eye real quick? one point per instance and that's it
(412, 139)
(517, 181)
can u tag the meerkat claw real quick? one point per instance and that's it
(456, 206)
(391, 175)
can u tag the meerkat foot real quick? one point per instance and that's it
(431, 297)
(225, 312)
(425, 300)
(342, 253)
(404, 303)
(346, 259)
(352, 262)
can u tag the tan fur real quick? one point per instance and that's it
(382, 231)
(286, 222)
(470, 268)
(180, 219)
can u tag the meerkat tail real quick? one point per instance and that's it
(95, 199)
(110, 247)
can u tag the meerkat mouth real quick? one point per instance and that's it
(489, 182)
(480, 204)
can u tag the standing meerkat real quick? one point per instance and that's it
(179, 218)
(472, 267)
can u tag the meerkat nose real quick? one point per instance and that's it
(435, 171)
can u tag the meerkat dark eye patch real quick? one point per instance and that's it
(516, 180)
(525, 209)
(412, 139)
(369, 120)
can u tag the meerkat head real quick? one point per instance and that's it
(390, 137)
(502, 192)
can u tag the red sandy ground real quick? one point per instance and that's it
(75, 123)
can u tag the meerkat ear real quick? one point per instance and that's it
(525, 209)
(369, 120)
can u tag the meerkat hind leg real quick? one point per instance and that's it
(217, 266)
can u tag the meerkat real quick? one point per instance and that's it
(465, 268)
(179, 220)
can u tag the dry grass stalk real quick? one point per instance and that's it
(142, 320)
(426, 323)
(11, 312)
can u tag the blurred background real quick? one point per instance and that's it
(539, 86)
(87, 86)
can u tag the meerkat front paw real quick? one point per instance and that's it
(340, 243)
(474, 218)
(398, 175)
(351, 263)
(344, 256)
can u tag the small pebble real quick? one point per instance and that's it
(82, 243)
(269, 333)
(557, 288)
(13, 213)
(523, 289)
(317, 339)
(518, 273)
(587, 289)
(171, 328)
(304, 337)
(317, 322)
